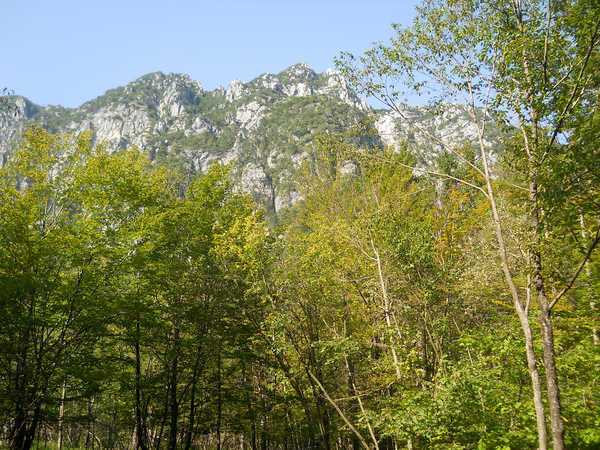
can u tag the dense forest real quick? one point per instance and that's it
(399, 303)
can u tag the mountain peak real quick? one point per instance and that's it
(298, 71)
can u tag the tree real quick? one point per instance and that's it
(125, 199)
(46, 279)
(364, 309)
(533, 64)
(56, 270)
(73, 221)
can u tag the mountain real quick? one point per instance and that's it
(265, 127)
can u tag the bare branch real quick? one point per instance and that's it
(432, 172)
(578, 271)
(563, 114)
(546, 38)
(337, 408)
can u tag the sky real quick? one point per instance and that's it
(69, 51)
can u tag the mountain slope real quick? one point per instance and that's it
(177, 122)
(264, 127)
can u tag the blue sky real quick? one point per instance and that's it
(66, 52)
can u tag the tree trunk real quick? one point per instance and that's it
(158, 439)
(300, 393)
(588, 273)
(556, 421)
(386, 305)
(219, 400)
(535, 380)
(351, 388)
(61, 416)
(17, 438)
(192, 419)
(174, 406)
(90, 435)
(18, 433)
(140, 428)
(350, 369)
(263, 432)
(522, 311)
(320, 403)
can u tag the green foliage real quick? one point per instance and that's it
(141, 305)
(64, 241)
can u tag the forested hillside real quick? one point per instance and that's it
(281, 267)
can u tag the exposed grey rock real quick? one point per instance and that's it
(117, 127)
(271, 81)
(235, 90)
(250, 114)
(336, 85)
(264, 127)
(12, 122)
(298, 90)
(219, 91)
(428, 134)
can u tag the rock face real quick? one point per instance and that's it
(12, 122)
(264, 127)
(427, 134)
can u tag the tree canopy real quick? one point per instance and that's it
(399, 303)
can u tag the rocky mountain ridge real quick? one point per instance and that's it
(265, 127)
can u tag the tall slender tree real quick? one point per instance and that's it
(534, 64)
